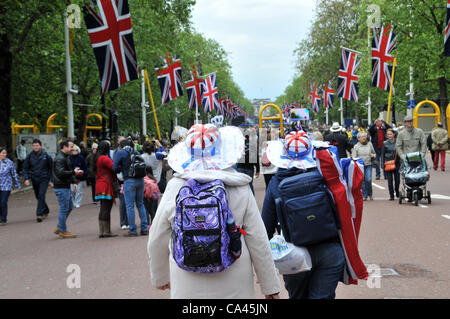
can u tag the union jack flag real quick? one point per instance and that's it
(447, 32)
(210, 97)
(328, 96)
(383, 44)
(315, 99)
(227, 107)
(194, 89)
(348, 80)
(170, 81)
(111, 34)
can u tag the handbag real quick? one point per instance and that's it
(115, 185)
(390, 165)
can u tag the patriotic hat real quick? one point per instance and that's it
(207, 147)
(296, 150)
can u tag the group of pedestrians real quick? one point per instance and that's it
(208, 219)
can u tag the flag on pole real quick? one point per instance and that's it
(447, 32)
(210, 97)
(315, 99)
(348, 80)
(222, 107)
(383, 43)
(111, 34)
(328, 96)
(169, 78)
(194, 89)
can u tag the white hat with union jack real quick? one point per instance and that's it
(207, 147)
(296, 150)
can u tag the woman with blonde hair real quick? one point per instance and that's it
(364, 150)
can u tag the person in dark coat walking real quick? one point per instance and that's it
(37, 168)
(336, 138)
(377, 136)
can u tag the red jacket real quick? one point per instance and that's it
(104, 178)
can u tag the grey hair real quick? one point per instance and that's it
(361, 134)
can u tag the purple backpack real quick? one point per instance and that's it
(200, 238)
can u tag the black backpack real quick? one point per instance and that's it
(137, 165)
(306, 210)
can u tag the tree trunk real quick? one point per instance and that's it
(5, 93)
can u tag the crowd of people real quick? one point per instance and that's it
(137, 177)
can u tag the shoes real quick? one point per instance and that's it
(105, 229)
(365, 198)
(2, 223)
(144, 233)
(124, 227)
(129, 234)
(56, 231)
(377, 178)
(392, 198)
(370, 197)
(76, 206)
(39, 219)
(44, 216)
(66, 235)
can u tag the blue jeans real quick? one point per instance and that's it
(40, 189)
(134, 193)
(65, 207)
(4, 195)
(320, 282)
(367, 184)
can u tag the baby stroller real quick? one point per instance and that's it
(414, 174)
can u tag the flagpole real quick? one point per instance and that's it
(70, 125)
(390, 90)
(369, 101)
(153, 104)
(342, 112)
(144, 115)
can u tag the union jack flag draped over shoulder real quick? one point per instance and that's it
(210, 96)
(447, 32)
(348, 80)
(383, 43)
(111, 34)
(170, 81)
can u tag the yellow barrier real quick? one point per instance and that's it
(15, 128)
(92, 127)
(278, 117)
(436, 115)
(447, 113)
(52, 127)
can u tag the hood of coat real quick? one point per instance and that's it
(228, 176)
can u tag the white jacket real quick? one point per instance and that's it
(238, 280)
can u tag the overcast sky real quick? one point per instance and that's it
(260, 37)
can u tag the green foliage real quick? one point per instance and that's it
(419, 26)
(159, 27)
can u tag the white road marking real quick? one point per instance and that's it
(438, 196)
(446, 216)
(380, 187)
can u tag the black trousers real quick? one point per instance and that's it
(151, 205)
(40, 190)
(393, 177)
(105, 209)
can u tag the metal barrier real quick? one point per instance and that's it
(417, 115)
(278, 117)
(92, 127)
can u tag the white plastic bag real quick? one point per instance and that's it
(289, 259)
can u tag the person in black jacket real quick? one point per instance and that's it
(64, 176)
(250, 161)
(37, 168)
(341, 141)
